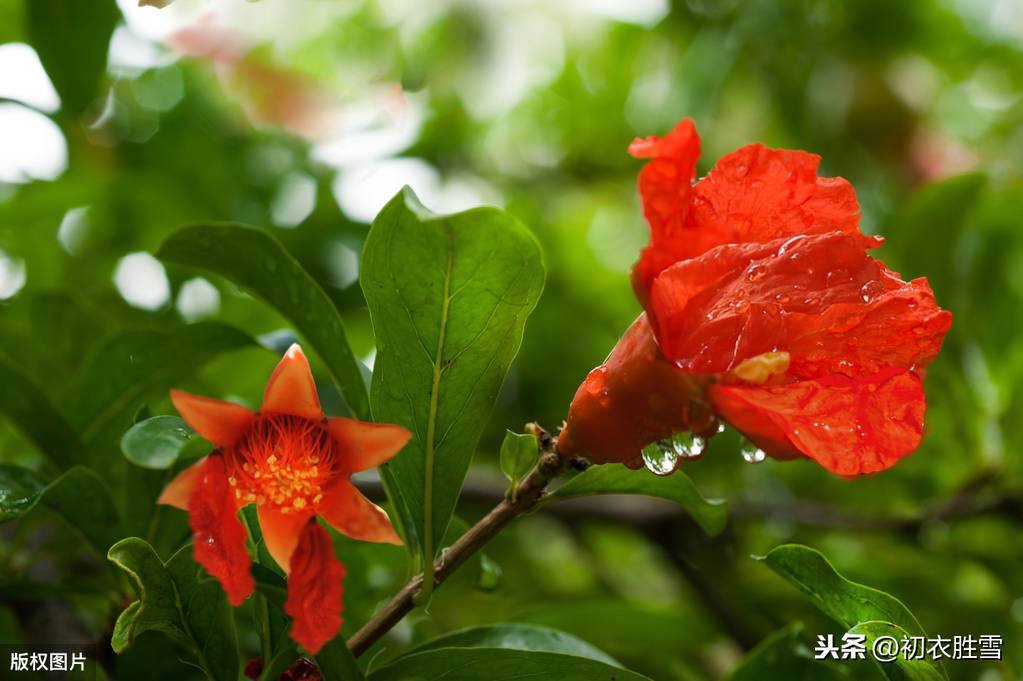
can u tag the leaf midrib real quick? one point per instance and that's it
(431, 423)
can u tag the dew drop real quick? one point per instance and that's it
(663, 457)
(870, 290)
(750, 452)
(756, 273)
(782, 298)
(785, 246)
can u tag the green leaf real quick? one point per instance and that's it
(157, 607)
(448, 297)
(72, 39)
(207, 614)
(79, 495)
(518, 455)
(614, 478)
(783, 655)
(928, 227)
(20, 489)
(845, 602)
(135, 364)
(912, 670)
(337, 663)
(83, 499)
(254, 260)
(518, 637)
(499, 664)
(158, 442)
(179, 599)
(33, 414)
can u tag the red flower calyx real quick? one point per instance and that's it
(294, 464)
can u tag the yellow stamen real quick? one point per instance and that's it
(759, 369)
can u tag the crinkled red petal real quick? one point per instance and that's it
(754, 194)
(761, 194)
(740, 300)
(636, 397)
(819, 297)
(849, 426)
(665, 185)
(902, 327)
(314, 589)
(219, 535)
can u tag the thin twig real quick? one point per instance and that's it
(527, 493)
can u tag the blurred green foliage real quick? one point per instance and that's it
(530, 105)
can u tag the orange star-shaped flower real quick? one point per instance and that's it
(294, 464)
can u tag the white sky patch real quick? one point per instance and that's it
(198, 299)
(342, 263)
(363, 190)
(640, 12)
(12, 275)
(33, 146)
(295, 200)
(74, 229)
(142, 281)
(24, 78)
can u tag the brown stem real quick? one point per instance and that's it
(529, 491)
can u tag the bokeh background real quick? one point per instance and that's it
(305, 116)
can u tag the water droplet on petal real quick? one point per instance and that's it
(663, 457)
(750, 452)
(755, 273)
(870, 290)
(785, 246)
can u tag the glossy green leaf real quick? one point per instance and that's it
(518, 637)
(157, 607)
(614, 478)
(448, 297)
(180, 600)
(912, 670)
(20, 489)
(848, 603)
(257, 262)
(518, 455)
(135, 364)
(784, 655)
(33, 414)
(159, 441)
(72, 39)
(499, 664)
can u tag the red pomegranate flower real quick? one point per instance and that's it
(294, 464)
(762, 309)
